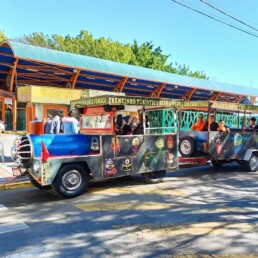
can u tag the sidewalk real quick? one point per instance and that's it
(7, 179)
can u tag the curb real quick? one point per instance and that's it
(15, 185)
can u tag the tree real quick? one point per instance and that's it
(144, 55)
(2, 36)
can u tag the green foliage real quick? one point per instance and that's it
(144, 55)
(2, 36)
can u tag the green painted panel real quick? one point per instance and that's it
(21, 120)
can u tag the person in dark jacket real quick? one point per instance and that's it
(48, 126)
(126, 128)
(213, 124)
(253, 126)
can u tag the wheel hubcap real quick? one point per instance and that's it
(253, 162)
(186, 147)
(72, 180)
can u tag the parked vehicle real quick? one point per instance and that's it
(67, 162)
(236, 144)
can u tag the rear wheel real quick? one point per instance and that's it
(252, 164)
(187, 146)
(71, 180)
(154, 177)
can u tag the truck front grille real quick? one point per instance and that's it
(22, 151)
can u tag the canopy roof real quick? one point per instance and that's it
(22, 64)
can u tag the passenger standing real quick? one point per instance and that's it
(56, 124)
(48, 126)
(69, 124)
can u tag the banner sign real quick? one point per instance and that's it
(124, 100)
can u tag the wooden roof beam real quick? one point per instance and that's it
(189, 94)
(10, 77)
(156, 93)
(55, 67)
(120, 86)
(216, 96)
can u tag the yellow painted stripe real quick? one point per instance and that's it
(132, 190)
(100, 206)
(15, 185)
(141, 205)
(205, 228)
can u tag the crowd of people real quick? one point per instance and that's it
(133, 126)
(70, 125)
(66, 125)
(201, 125)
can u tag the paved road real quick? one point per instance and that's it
(194, 211)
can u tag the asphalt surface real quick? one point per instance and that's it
(200, 212)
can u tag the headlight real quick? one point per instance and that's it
(14, 152)
(36, 166)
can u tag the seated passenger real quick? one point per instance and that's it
(134, 122)
(199, 125)
(222, 127)
(213, 125)
(139, 127)
(253, 126)
(126, 128)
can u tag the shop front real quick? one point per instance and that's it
(42, 102)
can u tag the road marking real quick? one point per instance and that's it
(10, 227)
(135, 205)
(145, 190)
(150, 231)
(6, 227)
(2, 207)
(45, 251)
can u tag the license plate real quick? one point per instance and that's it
(16, 171)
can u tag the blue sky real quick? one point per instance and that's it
(223, 53)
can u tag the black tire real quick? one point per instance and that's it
(217, 163)
(252, 164)
(38, 185)
(71, 181)
(187, 146)
(154, 177)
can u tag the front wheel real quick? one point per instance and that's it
(38, 185)
(154, 177)
(252, 164)
(71, 181)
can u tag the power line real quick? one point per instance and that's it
(216, 8)
(211, 17)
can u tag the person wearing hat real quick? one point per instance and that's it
(126, 129)
(253, 126)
